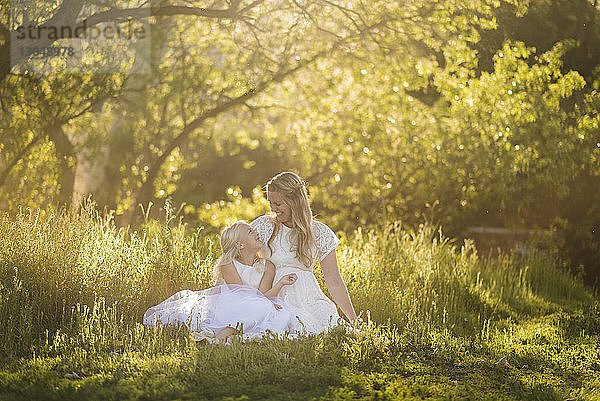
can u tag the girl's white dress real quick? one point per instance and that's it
(225, 305)
(315, 312)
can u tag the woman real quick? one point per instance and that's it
(293, 242)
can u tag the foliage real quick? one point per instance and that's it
(459, 113)
(52, 262)
(223, 213)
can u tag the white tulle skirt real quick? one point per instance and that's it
(229, 305)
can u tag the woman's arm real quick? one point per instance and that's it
(230, 274)
(336, 286)
(266, 282)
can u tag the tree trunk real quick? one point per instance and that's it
(67, 162)
(99, 173)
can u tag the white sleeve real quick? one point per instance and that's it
(325, 239)
(264, 227)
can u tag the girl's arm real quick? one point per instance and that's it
(266, 282)
(273, 292)
(288, 279)
(336, 286)
(230, 274)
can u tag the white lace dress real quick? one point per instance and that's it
(315, 311)
(239, 306)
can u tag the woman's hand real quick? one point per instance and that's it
(288, 279)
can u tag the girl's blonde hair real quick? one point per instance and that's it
(293, 192)
(230, 236)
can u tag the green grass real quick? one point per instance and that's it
(73, 289)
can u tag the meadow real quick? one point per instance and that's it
(441, 321)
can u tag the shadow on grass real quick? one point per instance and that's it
(268, 370)
(436, 378)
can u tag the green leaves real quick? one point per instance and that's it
(462, 105)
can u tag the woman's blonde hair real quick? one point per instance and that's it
(230, 236)
(293, 192)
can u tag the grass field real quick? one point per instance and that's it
(442, 322)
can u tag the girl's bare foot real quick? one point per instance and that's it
(224, 334)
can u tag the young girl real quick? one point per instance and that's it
(243, 300)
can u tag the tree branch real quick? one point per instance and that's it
(67, 13)
(250, 6)
(125, 13)
(146, 189)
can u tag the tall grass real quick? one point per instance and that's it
(57, 267)
(74, 279)
(422, 283)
